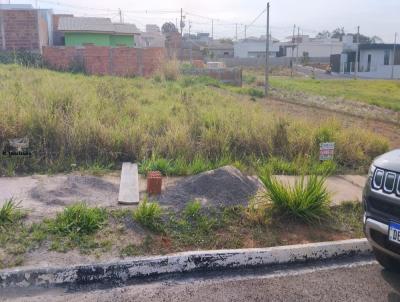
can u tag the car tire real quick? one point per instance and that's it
(388, 262)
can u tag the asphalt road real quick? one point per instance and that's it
(360, 280)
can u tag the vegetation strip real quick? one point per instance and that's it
(120, 272)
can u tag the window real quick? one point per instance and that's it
(386, 59)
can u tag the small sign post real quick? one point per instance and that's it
(326, 151)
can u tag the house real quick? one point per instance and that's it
(58, 36)
(220, 49)
(23, 27)
(152, 37)
(80, 31)
(255, 48)
(381, 61)
(301, 46)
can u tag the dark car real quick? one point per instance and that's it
(381, 200)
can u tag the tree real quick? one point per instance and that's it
(168, 27)
(338, 33)
(323, 34)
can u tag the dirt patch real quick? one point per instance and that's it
(225, 186)
(72, 188)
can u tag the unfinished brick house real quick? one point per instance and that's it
(24, 28)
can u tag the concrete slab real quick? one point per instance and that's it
(129, 185)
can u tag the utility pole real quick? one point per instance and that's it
(181, 27)
(356, 63)
(245, 32)
(298, 44)
(394, 55)
(236, 35)
(190, 40)
(212, 29)
(291, 59)
(120, 15)
(267, 55)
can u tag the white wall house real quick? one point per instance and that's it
(376, 61)
(255, 48)
(316, 47)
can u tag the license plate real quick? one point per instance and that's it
(394, 232)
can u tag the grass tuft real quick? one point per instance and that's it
(78, 220)
(149, 215)
(307, 200)
(9, 213)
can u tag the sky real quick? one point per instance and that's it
(375, 17)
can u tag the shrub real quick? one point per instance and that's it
(78, 219)
(9, 213)
(149, 215)
(308, 200)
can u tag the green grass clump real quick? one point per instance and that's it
(308, 200)
(9, 213)
(78, 219)
(149, 215)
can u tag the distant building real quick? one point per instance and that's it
(24, 28)
(220, 49)
(152, 37)
(80, 31)
(304, 46)
(58, 36)
(255, 48)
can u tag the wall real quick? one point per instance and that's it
(79, 39)
(260, 62)
(231, 76)
(242, 48)
(122, 40)
(319, 49)
(19, 30)
(102, 60)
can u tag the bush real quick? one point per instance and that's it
(308, 200)
(9, 213)
(149, 215)
(78, 219)
(21, 57)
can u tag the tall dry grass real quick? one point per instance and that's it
(72, 118)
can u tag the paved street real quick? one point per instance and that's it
(362, 280)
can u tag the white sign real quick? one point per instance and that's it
(326, 151)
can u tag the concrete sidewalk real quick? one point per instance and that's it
(342, 187)
(63, 189)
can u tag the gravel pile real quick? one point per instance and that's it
(225, 186)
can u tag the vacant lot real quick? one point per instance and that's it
(180, 127)
(381, 93)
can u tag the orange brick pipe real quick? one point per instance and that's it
(154, 183)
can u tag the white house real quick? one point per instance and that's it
(152, 37)
(379, 61)
(315, 47)
(255, 48)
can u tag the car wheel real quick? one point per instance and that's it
(388, 262)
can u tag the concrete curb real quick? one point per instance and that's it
(123, 271)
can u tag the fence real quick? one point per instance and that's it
(103, 60)
(258, 62)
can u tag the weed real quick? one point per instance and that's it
(149, 215)
(78, 220)
(9, 213)
(308, 200)
(170, 70)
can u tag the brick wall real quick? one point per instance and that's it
(20, 28)
(102, 60)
